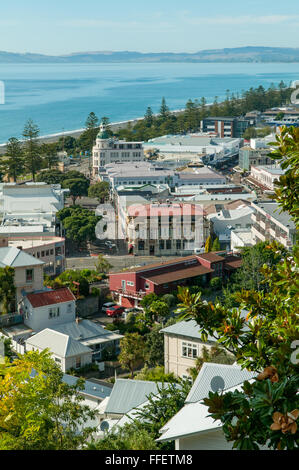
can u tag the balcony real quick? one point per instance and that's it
(132, 295)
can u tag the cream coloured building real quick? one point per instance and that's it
(182, 346)
(29, 275)
(110, 150)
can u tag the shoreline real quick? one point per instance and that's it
(77, 132)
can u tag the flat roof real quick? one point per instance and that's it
(274, 210)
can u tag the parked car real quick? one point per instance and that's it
(115, 311)
(108, 305)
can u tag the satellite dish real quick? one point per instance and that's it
(217, 383)
(104, 426)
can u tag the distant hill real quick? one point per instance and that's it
(240, 54)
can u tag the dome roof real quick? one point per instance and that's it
(103, 134)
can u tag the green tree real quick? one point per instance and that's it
(33, 160)
(40, 411)
(131, 351)
(216, 245)
(154, 344)
(149, 117)
(49, 154)
(100, 191)
(7, 289)
(162, 406)
(78, 187)
(79, 224)
(158, 310)
(14, 162)
(51, 177)
(148, 299)
(103, 266)
(131, 436)
(164, 110)
(208, 245)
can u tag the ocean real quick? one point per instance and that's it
(59, 97)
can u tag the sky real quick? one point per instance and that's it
(66, 26)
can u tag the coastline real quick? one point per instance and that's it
(77, 132)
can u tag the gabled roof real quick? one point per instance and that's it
(128, 394)
(192, 419)
(85, 330)
(15, 258)
(58, 343)
(185, 328)
(53, 297)
(231, 376)
(180, 274)
(91, 389)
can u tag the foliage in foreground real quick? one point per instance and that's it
(41, 412)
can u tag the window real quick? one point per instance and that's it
(78, 362)
(38, 254)
(189, 350)
(51, 252)
(130, 283)
(43, 254)
(54, 312)
(69, 308)
(141, 245)
(57, 360)
(146, 285)
(29, 275)
(168, 244)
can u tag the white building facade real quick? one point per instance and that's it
(110, 150)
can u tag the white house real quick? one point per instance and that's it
(191, 428)
(48, 309)
(67, 352)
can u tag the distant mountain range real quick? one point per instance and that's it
(240, 54)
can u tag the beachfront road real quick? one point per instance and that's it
(118, 262)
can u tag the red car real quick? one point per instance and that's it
(115, 311)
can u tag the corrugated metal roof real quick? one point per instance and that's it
(193, 418)
(231, 375)
(128, 394)
(91, 389)
(51, 297)
(58, 343)
(178, 275)
(83, 330)
(185, 328)
(15, 258)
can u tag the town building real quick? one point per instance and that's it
(74, 343)
(142, 173)
(67, 352)
(240, 238)
(197, 148)
(230, 217)
(257, 153)
(48, 309)
(29, 210)
(49, 250)
(110, 150)
(166, 229)
(233, 127)
(130, 286)
(265, 176)
(270, 223)
(29, 275)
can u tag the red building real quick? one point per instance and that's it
(130, 286)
